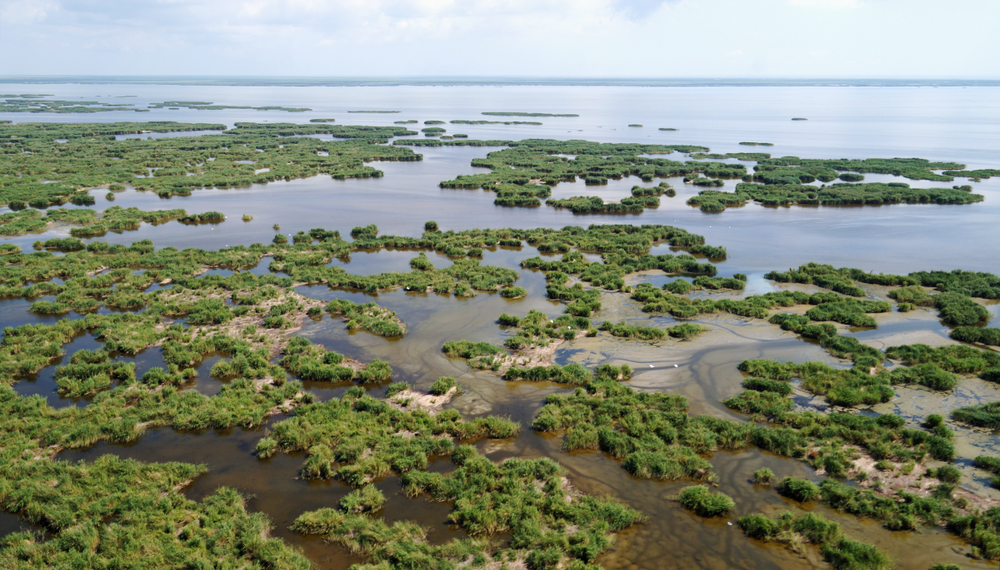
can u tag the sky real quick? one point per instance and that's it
(886, 39)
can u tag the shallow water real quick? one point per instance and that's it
(944, 124)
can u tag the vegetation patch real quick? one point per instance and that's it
(520, 114)
(527, 355)
(797, 531)
(360, 439)
(369, 316)
(209, 106)
(839, 194)
(515, 497)
(682, 331)
(248, 154)
(705, 503)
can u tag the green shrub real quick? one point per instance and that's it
(800, 490)
(948, 474)
(850, 555)
(705, 503)
(442, 385)
(513, 292)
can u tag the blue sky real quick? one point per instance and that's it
(553, 38)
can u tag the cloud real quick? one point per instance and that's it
(593, 38)
(829, 4)
(639, 9)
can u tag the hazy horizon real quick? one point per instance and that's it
(500, 81)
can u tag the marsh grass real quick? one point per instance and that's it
(797, 531)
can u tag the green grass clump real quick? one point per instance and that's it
(442, 385)
(991, 464)
(800, 490)
(745, 143)
(421, 262)
(682, 331)
(766, 385)
(314, 363)
(763, 476)
(89, 372)
(513, 292)
(983, 415)
(480, 355)
(959, 310)
(795, 531)
(957, 359)
(573, 374)
(988, 336)
(848, 554)
(369, 316)
(925, 374)
(207, 217)
(705, 503)
(595, 205)
(851, 312)
(365, 499)
(761, 403)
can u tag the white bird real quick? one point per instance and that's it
(675, 366)
(650, 365)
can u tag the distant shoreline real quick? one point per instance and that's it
(445, 81)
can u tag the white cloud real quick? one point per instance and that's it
(592, 38)
(830, 4)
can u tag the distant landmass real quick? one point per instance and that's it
(445, 81)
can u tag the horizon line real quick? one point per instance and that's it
(471, 80)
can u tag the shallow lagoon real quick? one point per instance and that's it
(947, 124)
